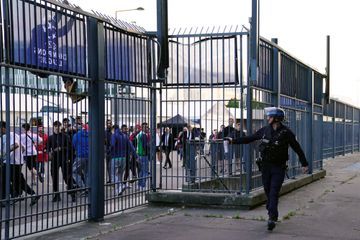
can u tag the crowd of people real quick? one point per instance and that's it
(127, 153)
(219, 150)
(67, 149)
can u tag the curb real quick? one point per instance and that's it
(255, 198)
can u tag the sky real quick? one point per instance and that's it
(300, 25)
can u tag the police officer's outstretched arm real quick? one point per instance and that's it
(294, 144)
(249, 139)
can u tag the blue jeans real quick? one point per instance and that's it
(190, 163)
(80, 168)
(229, 157)
(272, 178)
(117, 170)
(144, 170)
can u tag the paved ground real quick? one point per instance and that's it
(327, 209)
(47, 215)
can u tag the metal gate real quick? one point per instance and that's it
(65, 73)
(204, 90)
(208, 95)
(77, 87)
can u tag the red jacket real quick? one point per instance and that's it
(42, 156)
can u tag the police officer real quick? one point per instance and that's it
(275, 140)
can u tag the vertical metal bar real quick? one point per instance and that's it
(311, 134)
(249, 155)
(327, 87)
(96, 113)
(6, 49)
(153, 116)
(276, 73)
(254, 42)
(241, 110)
(7, 167)
(353, 132)
(344, 129)
(358, 129)
(334, 129)
(162, 34)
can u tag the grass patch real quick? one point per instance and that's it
(289, 215)
(261, 218)
(237, 216)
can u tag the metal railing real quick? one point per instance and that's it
(54, 68)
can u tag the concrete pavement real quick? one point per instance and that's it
(326, 209)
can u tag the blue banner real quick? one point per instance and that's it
(48, 37)
(126, 56)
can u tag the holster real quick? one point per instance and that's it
(259, 163)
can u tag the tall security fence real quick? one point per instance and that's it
(341, 129)
(207, 96)
(88, 130)
(70, 81)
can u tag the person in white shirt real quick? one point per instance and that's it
(158, 148)
(30, 141)
(15, 162)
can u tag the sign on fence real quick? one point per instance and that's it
(49, 37)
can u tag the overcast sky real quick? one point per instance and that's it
(300, 25)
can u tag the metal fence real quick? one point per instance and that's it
(208, 91)
(58, 90)
(123, 132)
(341, 129)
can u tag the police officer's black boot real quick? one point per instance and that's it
(271, 224)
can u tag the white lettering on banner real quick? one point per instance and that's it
(53, 58)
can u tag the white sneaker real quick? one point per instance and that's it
(121, 190)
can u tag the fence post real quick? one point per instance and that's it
(334, 129)
(310, 148)
(345, 135)
(353, 132)
(96, 65)
(359, 130)
(276, 73)
(152, 116)
(6, 49)
(248, 153)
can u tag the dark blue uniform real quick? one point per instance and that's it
(274, 155)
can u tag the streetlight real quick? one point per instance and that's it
(128, 10)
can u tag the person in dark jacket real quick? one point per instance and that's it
(59, 147)
(229, 131)
(275, 141)
(80, 143)
(189, 153)
(120, 146)
(220, 150)
(108, 149)
(70, 131)
(167, 143)
(238, 148)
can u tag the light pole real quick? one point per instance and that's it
(128, 10)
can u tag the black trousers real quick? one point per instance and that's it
(66, 169)
(167, 151)
(17, 181)
(31, 162)
(272, 178)
(131, 164)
